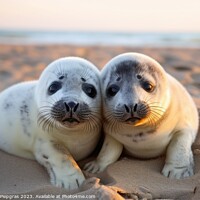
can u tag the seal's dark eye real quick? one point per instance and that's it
(54, 87)
(89, 89)
(112, 90)
(148, 86)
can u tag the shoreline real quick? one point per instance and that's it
(101, 45)
(107, 38)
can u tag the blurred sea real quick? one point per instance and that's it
(181, 40)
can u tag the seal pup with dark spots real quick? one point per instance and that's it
(147, 113)
(55, 120)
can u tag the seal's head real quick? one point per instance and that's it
(135, 90)
(68, 95)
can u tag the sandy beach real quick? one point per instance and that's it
(132, 178)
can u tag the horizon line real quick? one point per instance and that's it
(95, 31)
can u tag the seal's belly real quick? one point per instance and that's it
(145, 152)
(146, 146)
(82, 146)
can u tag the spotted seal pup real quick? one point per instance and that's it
(55, 120)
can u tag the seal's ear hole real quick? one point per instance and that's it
(89, 89)
(138, 76)
(61, 77)
(54, 87)
(118, 79)
(83, 79)
(112, 90)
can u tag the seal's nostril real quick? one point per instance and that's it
(67, 107)
(135, 108)
(127, 108)
(75, 107)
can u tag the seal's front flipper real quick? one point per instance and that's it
(179, 159)
(109, 153)
(62, 168)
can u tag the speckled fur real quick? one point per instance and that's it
(60, 147)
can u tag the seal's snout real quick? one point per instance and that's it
(66, 112)
(132, 113)
(70, 112)
(71, 109)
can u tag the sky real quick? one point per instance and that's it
(101, 15)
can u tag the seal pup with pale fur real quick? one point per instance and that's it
(147, 112)
(55, 120)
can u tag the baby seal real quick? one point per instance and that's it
(147, 112)
(55, 120)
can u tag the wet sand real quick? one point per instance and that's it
(138, 178)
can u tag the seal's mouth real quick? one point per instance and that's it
(70, 121)
(132, 120)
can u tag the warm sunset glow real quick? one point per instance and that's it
(101, 15)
